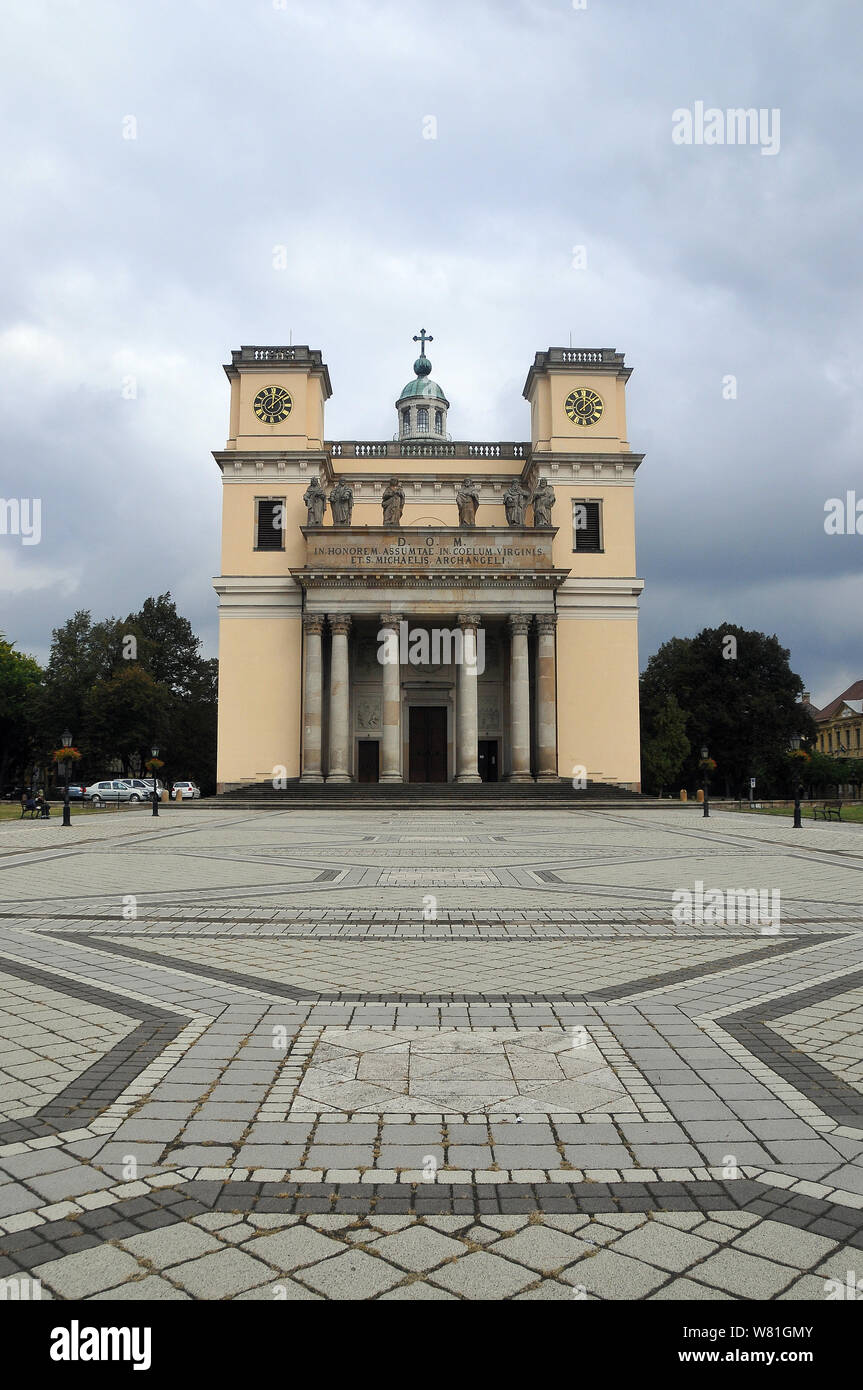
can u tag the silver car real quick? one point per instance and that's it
(144, 786)
(116, 790)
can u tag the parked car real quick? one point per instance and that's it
(115, 790)
(76, 791)
(188, 791)
(144, 785)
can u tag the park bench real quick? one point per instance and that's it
(31, 807)
(828, 810)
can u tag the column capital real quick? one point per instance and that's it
(391, 619)
(519, 623)
(546, 622)
(313, 623)
(469, 620)
(340, 623)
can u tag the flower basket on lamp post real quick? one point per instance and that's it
(152, 765)
(798, 757)
(707, 765)
(62, 757)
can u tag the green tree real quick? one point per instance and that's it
(20, 683)
(740, 698)
(125, 713)
(118, 695)
(191, 748)
(666, 747)
(82, 653)
(167, 646)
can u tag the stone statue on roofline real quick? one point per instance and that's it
(467, 500)
(515, 501)
(393, 502)
(342, 503)
(316, 503)
(543, 501)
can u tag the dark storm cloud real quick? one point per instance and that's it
(148, 259)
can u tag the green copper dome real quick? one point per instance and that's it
(423, 388)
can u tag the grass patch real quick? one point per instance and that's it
(11, 810)
(852, 814)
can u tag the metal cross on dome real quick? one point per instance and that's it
(422, 338)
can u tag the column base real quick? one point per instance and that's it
(468, 777)
(312, 777)
(547, 777)
(338, 777)
(519, 777)
(390, 777)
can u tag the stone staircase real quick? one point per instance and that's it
(363, 795)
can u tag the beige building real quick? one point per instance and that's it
(419, 608)
(840, 723)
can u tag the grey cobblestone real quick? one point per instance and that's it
(702, 1044)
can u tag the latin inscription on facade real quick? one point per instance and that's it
(374, 548)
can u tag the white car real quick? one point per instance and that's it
(187, 790)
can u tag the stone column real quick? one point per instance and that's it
(340, 626)
(391, 722)
(546, 711)
(519, 700)
(467, 769)
(313, 692)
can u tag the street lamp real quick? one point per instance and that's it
(704, 756)
(155, 753)
(67, 743)
(798, 820)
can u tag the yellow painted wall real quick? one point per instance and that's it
(260, 660)
(304, 426)
(238, 528)
(597, 698)
(261, 657)
(551, 426)
(618, 530)
(238, 525)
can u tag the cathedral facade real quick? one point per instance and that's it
(423, 609)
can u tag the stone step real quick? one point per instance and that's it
(413, 794)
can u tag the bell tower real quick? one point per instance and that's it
(277, 398)
(578, 401)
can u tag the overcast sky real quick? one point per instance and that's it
(303, 125)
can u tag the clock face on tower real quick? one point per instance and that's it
(584, 407)
(272, 404)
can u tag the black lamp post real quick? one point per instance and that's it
(798, 820)
(67, 814)
(155, 752)
(704, 756)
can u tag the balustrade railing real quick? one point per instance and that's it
(426, 446)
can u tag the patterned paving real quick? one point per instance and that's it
(448, 1055)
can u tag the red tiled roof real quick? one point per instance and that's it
(854, 692)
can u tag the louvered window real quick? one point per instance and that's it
(269, 524)
(587, 526)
